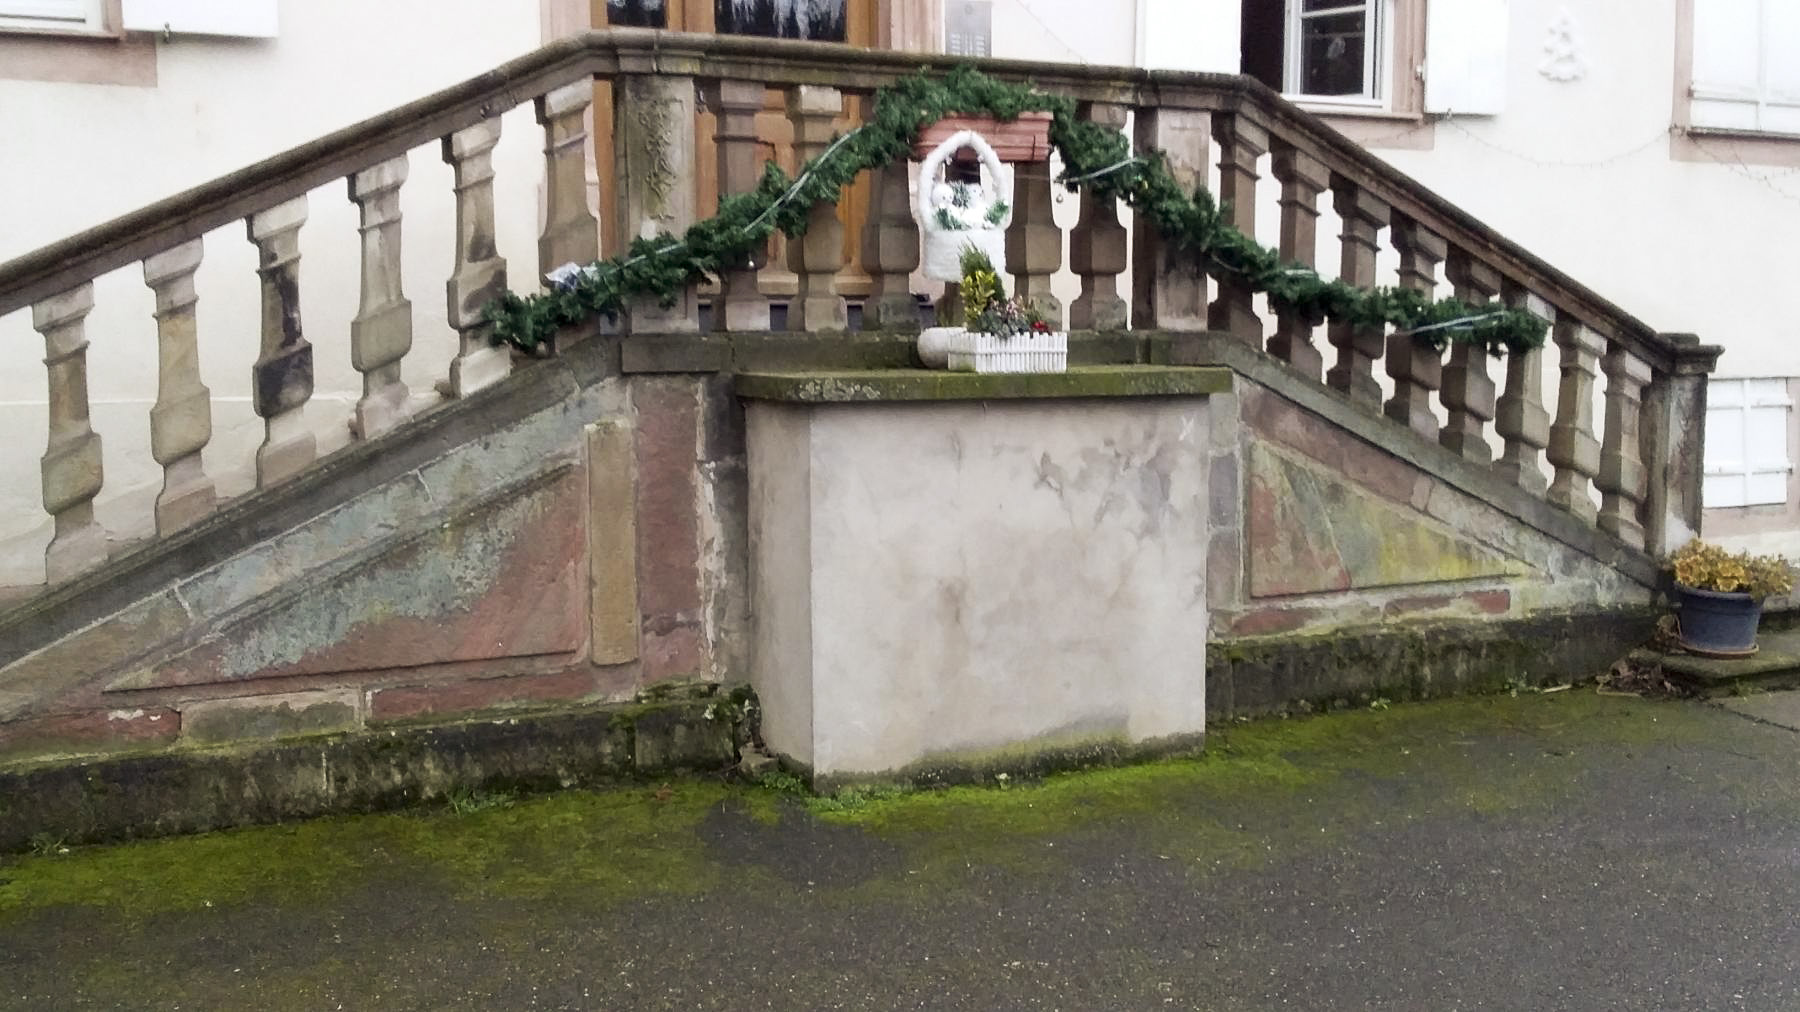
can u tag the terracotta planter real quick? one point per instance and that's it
(1715, 624)
(1026, 139)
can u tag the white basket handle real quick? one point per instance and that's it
(934, 163)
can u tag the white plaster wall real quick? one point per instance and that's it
(78, 155)
(986, 579)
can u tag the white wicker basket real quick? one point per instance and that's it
(944, 246)
(976, 352)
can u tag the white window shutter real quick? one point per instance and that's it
(49, 10)
(1465, 56)
(244, 18)
(1727, 62)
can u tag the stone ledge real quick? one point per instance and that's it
(905, 385)
(198, 790)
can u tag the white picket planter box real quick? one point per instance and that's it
(973, 352)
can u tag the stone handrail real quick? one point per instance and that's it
(1653, 381)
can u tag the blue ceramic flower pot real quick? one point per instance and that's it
(1715, 624)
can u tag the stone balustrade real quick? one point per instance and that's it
(1607, 466)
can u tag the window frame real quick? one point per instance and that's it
(1746, 465)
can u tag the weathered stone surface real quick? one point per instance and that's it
(612, 543)
(692, 735)
(504, 577)
(1312, 531)
(88, 732)
(433, 699)
(264, 718)
(1273, 417)
(68, 664)
(669, 581)
(848, 386)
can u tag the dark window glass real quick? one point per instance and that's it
(637, 13)
(1331, 54)
(819, 20)
(1309, 6)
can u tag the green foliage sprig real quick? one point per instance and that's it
(1095, 158)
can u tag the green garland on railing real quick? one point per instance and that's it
(1095, 158)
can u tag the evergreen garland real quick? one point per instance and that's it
(1095, 158)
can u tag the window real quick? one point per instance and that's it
(1746, 442)
(1743, 79)
(1354, 57)
(53, 15)
(1332, 49)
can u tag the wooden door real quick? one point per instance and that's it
(859, 29)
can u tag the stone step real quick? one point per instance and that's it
(1775, 665)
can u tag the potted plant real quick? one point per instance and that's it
(1721, 594)
(999, 334)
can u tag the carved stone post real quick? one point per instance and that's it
(480, 273)
(741, 307)
(817, 256)
(890, 246)
(1363, 215)
(1468, 391)
(571, 235)
(1522, 420)
(1166, 295)
(1416, 367)
(1097, 245)
(1672, 439)
(1574, 451)
(1241, 143)
(71, 466)
(653, 154)
(1622, 479)
(282, 379)
(181, 420)
(1034, 250)
(381, 333)
(1303, 178)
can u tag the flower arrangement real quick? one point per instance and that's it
(1703, 566)
(986, 309)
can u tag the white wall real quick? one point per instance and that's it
(97, 151)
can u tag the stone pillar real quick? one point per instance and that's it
(571, 235)
(480, 273)
(1574, 451)
(816, 257)
(1468, 392)
(1166, 295)
(653, 154)
(741, 307)
(282, 379)
(1097, 250)
(181, 420)
(1363, 215)
(1521, 419)
(381, 333)
(1672, 441)
(890, 246)
(1241, 142)
(1622, 479)
(1417, 368)
(72, 473)
(1034, 250)
(1303, 178)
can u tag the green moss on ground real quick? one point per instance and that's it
(1251, 796)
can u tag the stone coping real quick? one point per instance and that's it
(907, 385)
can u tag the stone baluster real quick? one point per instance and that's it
(1097, 250)
(1622, 479)
(71, 467)
(282, 379)
(741, 307)
(1303, 178)
(480, 272)
(1522, 421)
(890, 246)
(1363, 215)
(1241, 142)
(816, 257)
(1166, 295)
(1417, 368)
(1574, 452)
(571, 234)
(1468, 391)
(653, 157)
(1034, 243)
(1672, 442)
(181, 419)
(382, 332)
